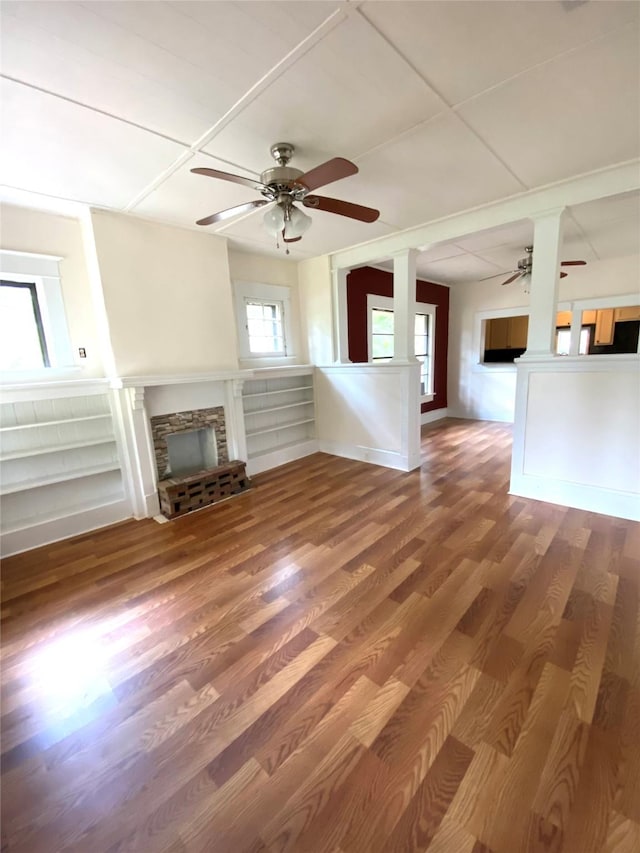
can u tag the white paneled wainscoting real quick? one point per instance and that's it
(577, 433)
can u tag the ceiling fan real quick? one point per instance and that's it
(283, 186)
(525, 265)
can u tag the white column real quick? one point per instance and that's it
(341, 329)
(139, 467)
(576, 328)
(545, 279)
(234, 417)
(404, 306)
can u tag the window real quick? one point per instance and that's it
(22, 341)
(34, 336)
(266, 335)
(381, 336)
(265, 327)
(422, 351)
(563, 340)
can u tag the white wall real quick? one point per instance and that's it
(488, 391)
(245, 266)
(370, 412)
(168, 297)
(314, 276)
(25, 230)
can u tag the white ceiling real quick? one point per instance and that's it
(599, 230)
(443, 106)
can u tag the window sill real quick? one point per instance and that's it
(427, 398)
(45, 374)
(268, 361)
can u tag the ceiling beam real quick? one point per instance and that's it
(613, 180)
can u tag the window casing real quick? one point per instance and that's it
(263, 318)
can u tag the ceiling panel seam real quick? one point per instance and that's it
(303, 47)
(93, 109)
(576, 49)
(447, 108)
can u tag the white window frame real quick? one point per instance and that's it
(268, 294)
(43, 271)
(385, 303)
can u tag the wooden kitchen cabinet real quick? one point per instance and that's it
(630, 313)
(518, 330)
(497, 333)
(563, 318)
(604, 326)
(507, 333)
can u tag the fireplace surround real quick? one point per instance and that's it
(181, 423)
(192, 460)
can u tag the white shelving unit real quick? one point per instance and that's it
(279, 416)
(60, 469)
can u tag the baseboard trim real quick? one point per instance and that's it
(152, 503)
(385, 458)
(589, 498)
(47, 532)
(433, 415)
(281, 456)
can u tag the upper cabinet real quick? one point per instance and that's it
(603, 331)
(604, 327)
(507, 333)
(623, 314)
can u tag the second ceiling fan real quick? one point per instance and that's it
(525, 266)
(283, 186)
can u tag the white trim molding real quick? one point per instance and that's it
(433, 415)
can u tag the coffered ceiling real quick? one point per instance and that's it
(443, 106)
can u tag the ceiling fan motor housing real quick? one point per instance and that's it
(280, 178)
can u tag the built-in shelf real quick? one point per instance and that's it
(40, 451)
(280, 427)
(278, 391)
(58, 422)
(57, 514)
(280, 408)
(287, 430)
(61, 477)
(61, 471)
(284, 448)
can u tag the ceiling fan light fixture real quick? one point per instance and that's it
(296, 223)
(273, 220)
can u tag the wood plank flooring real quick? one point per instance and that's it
(346, 659)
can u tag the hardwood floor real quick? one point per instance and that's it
(345, 659)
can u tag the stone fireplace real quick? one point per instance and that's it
(192, 460)
(185, 443)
